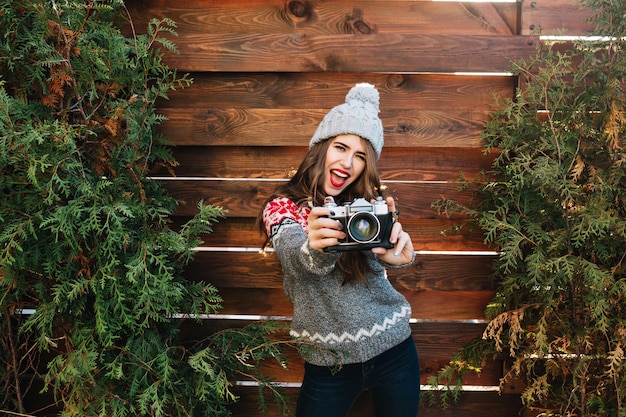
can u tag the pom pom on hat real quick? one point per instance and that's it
(365, 93)
(357, 116)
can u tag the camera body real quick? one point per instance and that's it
(367, 225)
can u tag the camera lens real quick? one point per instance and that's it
(363, 227)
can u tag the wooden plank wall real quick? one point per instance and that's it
(266, 71)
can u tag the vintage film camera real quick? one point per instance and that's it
(367, 225)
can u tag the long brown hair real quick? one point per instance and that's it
(306, 187)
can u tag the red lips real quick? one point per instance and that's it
(338, 177)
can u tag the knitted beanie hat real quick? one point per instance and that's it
(357, 116)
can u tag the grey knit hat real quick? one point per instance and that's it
(357, 116)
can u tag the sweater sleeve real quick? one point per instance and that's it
(285, 223)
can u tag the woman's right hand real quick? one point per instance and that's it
(322, 230)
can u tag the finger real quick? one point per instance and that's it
(391, 204)
(396, 230)
(324, 237)
(402, 244)
(328, 233)
(317, 212)
(324, 227)
(326, 223)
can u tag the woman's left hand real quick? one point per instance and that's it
(402, 251)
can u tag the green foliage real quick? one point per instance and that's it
(449, 381)
(554, 206)
(85, 237)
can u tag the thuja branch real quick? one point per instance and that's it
(14, 365)
(96, 257)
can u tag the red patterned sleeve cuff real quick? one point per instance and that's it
(282, 209)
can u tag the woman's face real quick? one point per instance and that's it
(345, 162)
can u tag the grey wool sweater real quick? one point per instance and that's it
(346, 323)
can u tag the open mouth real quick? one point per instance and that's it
(338, 178)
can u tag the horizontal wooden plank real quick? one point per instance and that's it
(436, 344)
(396, 163)
(436, 340)
(426, 234)
(489, 375)
(358, 17)
(428, 304)
(471, 404)
(278, 127)
(417, 110)
(442, 340)
(307, 91)
(564, 17)
(390, 53)
(245, 197)
(255, 270)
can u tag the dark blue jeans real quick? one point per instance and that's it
(393, 377)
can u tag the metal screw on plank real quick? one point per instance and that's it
(533, 4)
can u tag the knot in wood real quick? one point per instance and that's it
(395, 80)
(362, 27)
(299, 9)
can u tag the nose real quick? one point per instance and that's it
(346, 161)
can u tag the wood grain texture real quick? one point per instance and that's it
(435, 343)
(320, 90)
(471, 404)
(434, 340)
(438, 305)
(564, 17)
(427, 234)
(396, 163)
(255, 270)
(265, 127)
(489, 375)
(423, 110)
(245, 197)
(387, 53)
(338, 17)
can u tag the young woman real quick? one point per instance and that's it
(356, 324)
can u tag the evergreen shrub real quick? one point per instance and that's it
(553, 206)
(86, 236)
